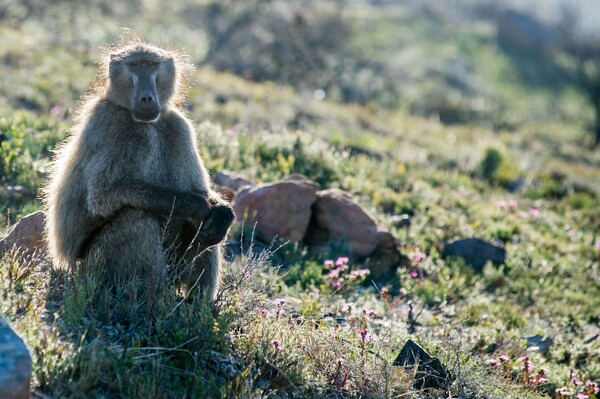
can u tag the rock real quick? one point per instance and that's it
(226, 193)
(27, 234)
(401, 221)
(521, 30)
(231, 180)
(337, 217)
(228, 183)
(430, 372)
(386, 256)
(18, 191)
(280, 209)
(539, 343)
(475, 252)
(15, 364)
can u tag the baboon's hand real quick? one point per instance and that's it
(215, 226)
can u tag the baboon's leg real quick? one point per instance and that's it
(128, 248)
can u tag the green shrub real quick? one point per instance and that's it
(490, 164)
(582, 200)
(307, 275)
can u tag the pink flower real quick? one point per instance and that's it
(276, 345)
(347, 308)
(361, 272)
(564, 391)
(280, 302)
(417, 256)
(597, 244)
(539, 378)
(341, 261)
(527, 364)
(413, 274)
(231, 133)
(512, 203)
(336, 284)
(503, 358)
(334, 273)
(365, 335)
(369, 314)
(493, 362)
(582, 395)
(328, 263)
(534, 212)
(501, 204)
(576, 381)
(592, 387)
(522, 214)
(279, 307)
(57, 111)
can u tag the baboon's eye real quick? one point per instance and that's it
(150, 63)
(135, 63)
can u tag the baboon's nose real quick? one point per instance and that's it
(147, 99)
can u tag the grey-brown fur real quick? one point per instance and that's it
(131, 196)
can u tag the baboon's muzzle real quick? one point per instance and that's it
(145, 101)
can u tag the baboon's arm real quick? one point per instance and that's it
(105, 200)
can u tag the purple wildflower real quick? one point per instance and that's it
(361, 272)
(527, 363)
(592, 387)
(341, 261)
(57, 111)
(564, 391)
(503, 358)
(365, 335)
(276, 344)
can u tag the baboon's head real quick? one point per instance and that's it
(143, 79)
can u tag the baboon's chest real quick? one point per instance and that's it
(163, 160)
(145, 156)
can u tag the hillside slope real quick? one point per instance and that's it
(280, 327)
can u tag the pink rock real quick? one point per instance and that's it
(337, 217)
(27, 234)
(280, 209)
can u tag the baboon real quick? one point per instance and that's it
(128, 191)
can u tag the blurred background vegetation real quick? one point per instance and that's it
(439, 111)
(520, 80)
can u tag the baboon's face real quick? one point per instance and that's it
(141, 80)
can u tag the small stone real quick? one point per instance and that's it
(539, 343)
(401, 221)
(15, 364)
(430, 372)
(475, 251)
(18, 191)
